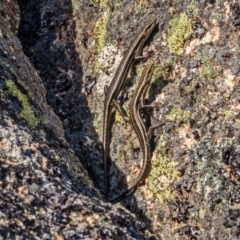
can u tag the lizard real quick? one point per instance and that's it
(139, 127)
(115, 86)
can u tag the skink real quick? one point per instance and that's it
(115, 86)
(139, 127)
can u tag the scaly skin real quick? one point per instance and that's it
(115, 87)
(139, 127)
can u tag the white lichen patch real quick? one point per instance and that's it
(108, 60)
(186, 136)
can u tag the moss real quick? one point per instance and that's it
(26, 110)
(178, 114)
(207, 71)
(162, 175)
(180, 29)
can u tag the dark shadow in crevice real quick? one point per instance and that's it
(47, 32)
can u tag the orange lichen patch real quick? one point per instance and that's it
(148, 194)
(10, 179)
(20, 189)
(96, 216)
(229, 171)
(203, 107)
(134, 172)
(212, 35)
(128, 10)
(44, 163)
(179, 70)
(30, 216)
(19, 223)
(161, 98)
(144, 3)
(186, 136)
(34, 146)
(235, 107)
(58, 237)
(163, 182)
(8, 162)
(23, 190)
(228, 11)
(154, 157)
(172, 10)
(229, 79)
(90, 220)
(3, 222)
(2, 145)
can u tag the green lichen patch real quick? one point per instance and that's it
(192, 9)
(73, 3)
(228, 114)
(162, 175)
(2, 93)
(207, 71)
(140, 4)
(8, 66)
(215, 183)
(178, 114)
(119, 119)
(180, 29)
(102, 3)
(163, 71)
(100, 32)
(98, 66)
(26, 110)
(160, 77)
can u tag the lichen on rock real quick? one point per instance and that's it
(180, 28)
(26, 111)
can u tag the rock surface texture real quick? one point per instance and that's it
(55, 59)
